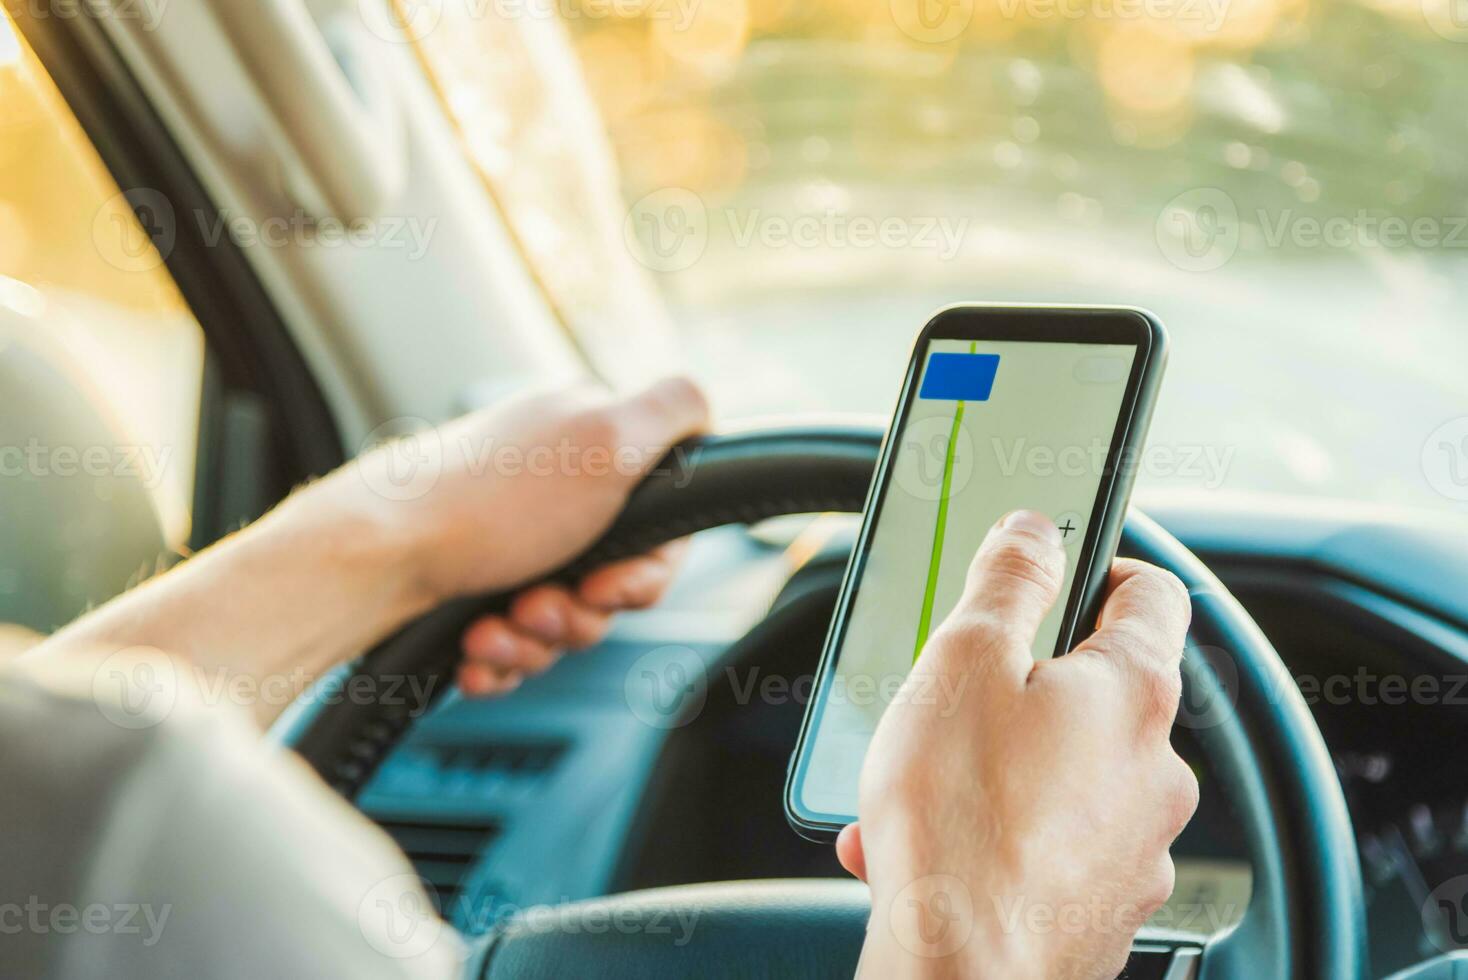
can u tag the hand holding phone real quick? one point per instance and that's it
(1002, 409)
(1049, 787)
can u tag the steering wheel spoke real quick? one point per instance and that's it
(1162, 955)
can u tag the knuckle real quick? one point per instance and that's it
(1131, 638)
(1182, 798)
(1161, 578)
(525, 606)
(1152, 665)
(968, 637)
(1185, 798)
(1018, 562)
(1165, 589)
(676, 399)
(600, 427)
(634, 593)
(538, 664)
(590, 630)
(1157, 885)
(1161, 688)
(682, 392)
(975, 628)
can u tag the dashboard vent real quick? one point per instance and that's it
(443, 852)
(445, 803)
(494, 774)
(522, 758)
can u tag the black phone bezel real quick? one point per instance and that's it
(1098, 325)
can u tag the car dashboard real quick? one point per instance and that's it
(659, 757)
(1369, 611)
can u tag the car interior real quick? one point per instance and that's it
(246, 242)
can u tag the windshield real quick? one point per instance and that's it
(1285, 183)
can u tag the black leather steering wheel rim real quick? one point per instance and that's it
(1306, 916)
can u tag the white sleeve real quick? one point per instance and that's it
(209, 854)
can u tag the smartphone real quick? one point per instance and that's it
(1002, 408)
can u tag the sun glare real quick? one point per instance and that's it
(9, 43)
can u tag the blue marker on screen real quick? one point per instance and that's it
(959, 377)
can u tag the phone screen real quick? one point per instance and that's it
(985, 427)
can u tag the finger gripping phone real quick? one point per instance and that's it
(1002, 408)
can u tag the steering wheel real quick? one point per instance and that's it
(1305, 916)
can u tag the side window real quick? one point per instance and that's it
(101, 365)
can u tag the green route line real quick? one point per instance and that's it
(925, 620)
